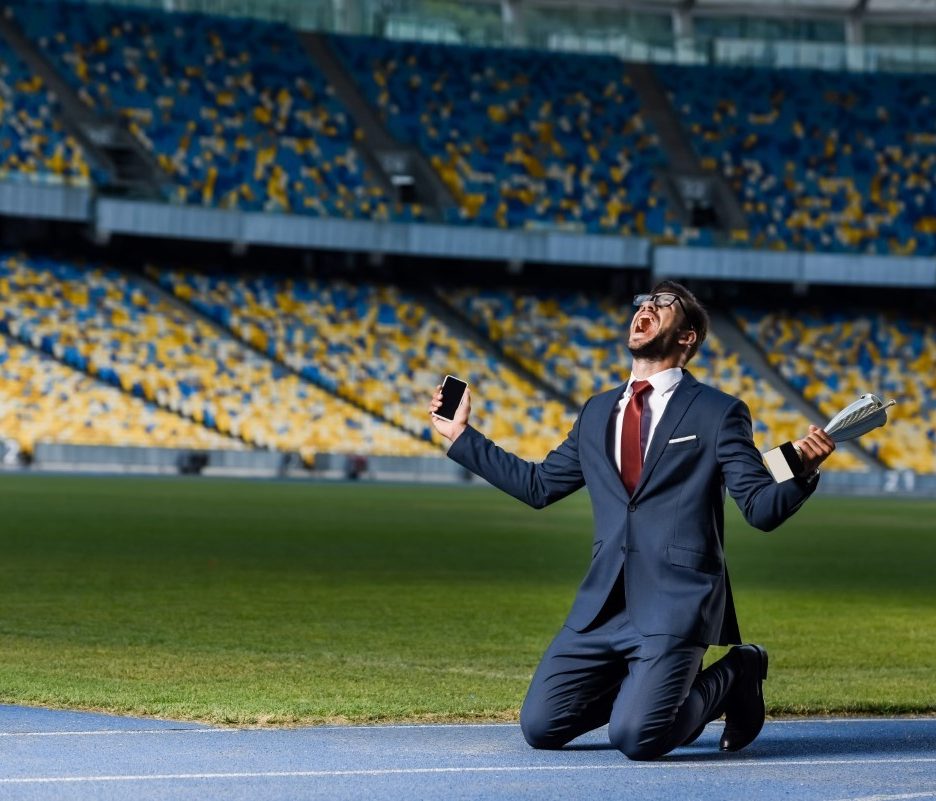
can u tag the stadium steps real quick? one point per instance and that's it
(455, 319)
(392, 161)
(734, 339)
(227, 333)
(11, 329)
(129, 168)
(685, 176)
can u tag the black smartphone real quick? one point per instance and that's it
(453, 390)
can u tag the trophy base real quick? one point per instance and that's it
(784, 462)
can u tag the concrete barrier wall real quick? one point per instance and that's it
(146, 218)
(49, 456)
(45, 201)
(429, 469)
(743, 264)
(435, 469)
(879, 483)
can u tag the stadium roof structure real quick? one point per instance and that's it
(911, 9)
(338, 14)
(851, 7)
(854, 35)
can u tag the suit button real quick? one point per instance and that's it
(632, 507)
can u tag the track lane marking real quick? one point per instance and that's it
(897, 797)
(378, 726)
(113, 732)
(271, 729)
(707, 764)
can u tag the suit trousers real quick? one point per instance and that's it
(648, 689)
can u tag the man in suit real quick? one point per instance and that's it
(657, 456)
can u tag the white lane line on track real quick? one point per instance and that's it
(379, 726)
(930, 719)
(111, 732)
(898, 797)
(290, 774)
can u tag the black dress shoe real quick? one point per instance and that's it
(744, 707)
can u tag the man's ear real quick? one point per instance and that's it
(688, 337)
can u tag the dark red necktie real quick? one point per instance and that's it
(631, 452)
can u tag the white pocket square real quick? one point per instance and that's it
(681, 439)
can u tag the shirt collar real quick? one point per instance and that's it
(663, 382)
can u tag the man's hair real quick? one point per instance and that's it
(696, 316)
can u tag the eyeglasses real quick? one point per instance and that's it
(661, 300)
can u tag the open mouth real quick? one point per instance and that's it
(645, 323)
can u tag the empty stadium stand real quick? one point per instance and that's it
(288, 363)
(578, 343)
(834, 357)
(520, 137)
(820, 160)
(233, 109)
(43, 400)
(33, 144)
(121, 331)
(238, 116)
(377, 344)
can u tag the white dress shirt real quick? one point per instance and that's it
(663, 383)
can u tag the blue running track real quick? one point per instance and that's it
(48, 754)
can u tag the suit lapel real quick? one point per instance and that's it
(608, 413)
(683, 396)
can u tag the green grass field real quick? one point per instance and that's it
(265, 602)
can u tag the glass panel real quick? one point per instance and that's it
(906, 45)
(769, 28)
(300, 13)
(899, 58)
(790, 7)
(901, 6)
(435, 21)
(877, 33)
(595, 29)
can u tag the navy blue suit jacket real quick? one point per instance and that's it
(668, 536)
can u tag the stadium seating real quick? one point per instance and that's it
(33, 144)
(42, 400)
(521, 138)
(577, 342)
(238, 116)
(233, 109)
(382, 347)
(834, 357)
(821, 161)
(378, 344)
(124, 332)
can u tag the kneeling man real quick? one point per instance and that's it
(657, 456)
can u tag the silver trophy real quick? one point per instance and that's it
(855, 420)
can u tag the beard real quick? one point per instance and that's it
(657, 347)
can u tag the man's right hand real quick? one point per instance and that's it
(451, 431)
(814, 449)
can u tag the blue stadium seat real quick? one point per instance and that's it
(820, 160)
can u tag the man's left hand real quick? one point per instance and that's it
(814, 449)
